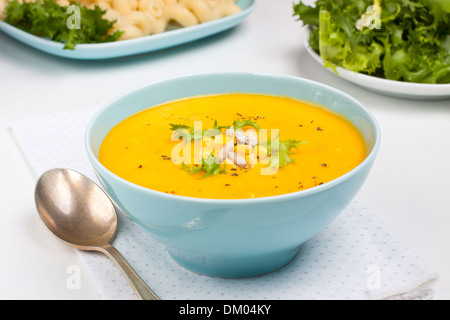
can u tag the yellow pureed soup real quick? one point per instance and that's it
(261, 146)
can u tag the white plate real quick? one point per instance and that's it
(134, 46)
(399, 89)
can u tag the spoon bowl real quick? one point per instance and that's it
(81, 215)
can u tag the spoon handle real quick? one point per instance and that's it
(139, 286)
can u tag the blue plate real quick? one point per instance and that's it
(133, 46)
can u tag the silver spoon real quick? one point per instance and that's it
(80, 214)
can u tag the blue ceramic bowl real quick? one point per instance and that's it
(232, 238)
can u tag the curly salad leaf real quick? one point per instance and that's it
(410, 41)
(46, 18)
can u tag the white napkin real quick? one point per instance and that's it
(355, 257)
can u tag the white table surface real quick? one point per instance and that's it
(408, 189)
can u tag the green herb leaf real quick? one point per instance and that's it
(179, 126)
(195, 135)
(216, 126)
(285, 151)
(245, 123)
(212, 168)
(192, 170)
(209, 167)
(46, 18)
(282, 153)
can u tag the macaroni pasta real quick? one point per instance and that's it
(138, 18)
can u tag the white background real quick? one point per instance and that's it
(408, 189)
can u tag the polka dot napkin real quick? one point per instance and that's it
(355, 257)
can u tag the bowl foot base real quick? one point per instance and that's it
(230, 267)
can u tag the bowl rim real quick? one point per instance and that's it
(276, 198)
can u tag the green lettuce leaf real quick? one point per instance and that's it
(46, 18)
(412, 43)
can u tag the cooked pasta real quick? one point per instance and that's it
(2, 9)
(138, 18)
(208, 10)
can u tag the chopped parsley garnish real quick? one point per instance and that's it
(209, 167)
(175, 127)
(216, 126)
(245, 123)
(284, 152)
(179, 126)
